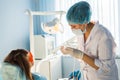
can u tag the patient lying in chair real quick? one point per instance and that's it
(17, 66)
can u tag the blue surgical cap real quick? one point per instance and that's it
(79, 13)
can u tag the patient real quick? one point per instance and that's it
(17, 66)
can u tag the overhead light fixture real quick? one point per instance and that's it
(53, 27)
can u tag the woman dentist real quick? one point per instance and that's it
(96, 45)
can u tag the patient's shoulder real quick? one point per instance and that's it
(9, 71)
(9, 67)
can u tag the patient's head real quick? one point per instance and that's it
(18, 57)
(21, 58)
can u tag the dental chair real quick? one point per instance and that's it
(57, 67)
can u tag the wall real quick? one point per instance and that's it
(14, 25)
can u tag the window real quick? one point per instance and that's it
(105, 11)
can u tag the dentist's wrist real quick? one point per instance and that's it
(77, 54)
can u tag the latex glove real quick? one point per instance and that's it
(76, 75)
(73, 52)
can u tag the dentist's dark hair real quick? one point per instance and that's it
(19, 58)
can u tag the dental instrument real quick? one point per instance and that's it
(66, 44)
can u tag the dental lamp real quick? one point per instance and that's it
(51, 27)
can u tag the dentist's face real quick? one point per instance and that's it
(78, 26)
(78, 29)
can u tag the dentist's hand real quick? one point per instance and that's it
(73, 52)
(75, 74)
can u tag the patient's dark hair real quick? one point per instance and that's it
(19, 58)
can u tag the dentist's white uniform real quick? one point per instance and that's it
(99, 45)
